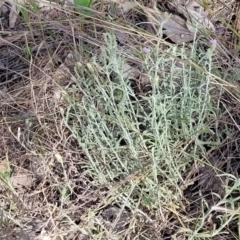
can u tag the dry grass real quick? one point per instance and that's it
(75, 166)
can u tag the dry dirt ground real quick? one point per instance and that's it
(40, 162)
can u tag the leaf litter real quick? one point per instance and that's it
(60, 210)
